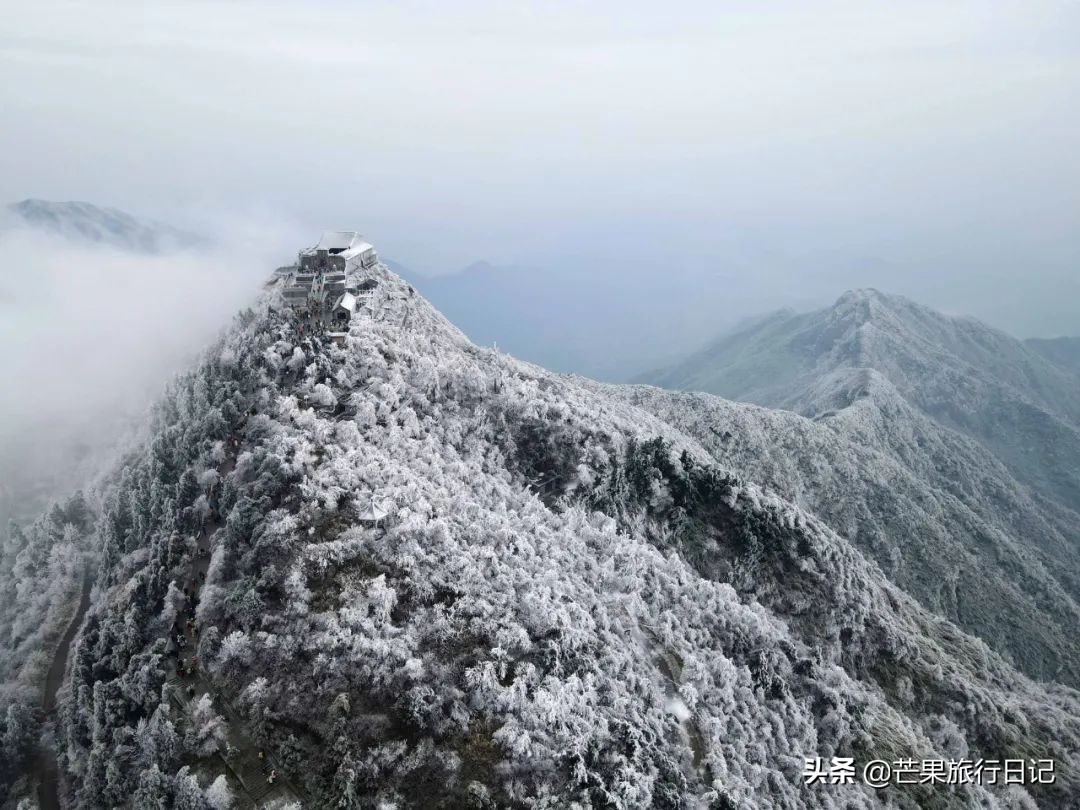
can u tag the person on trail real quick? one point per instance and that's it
(272, 777)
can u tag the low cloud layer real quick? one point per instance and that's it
(93, 334)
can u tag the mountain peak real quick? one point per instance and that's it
(869, 302)
(862, 294)
(967, 376)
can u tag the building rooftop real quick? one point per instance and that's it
(347, 301)
(372, 513)
(338, 240)
(357, 249)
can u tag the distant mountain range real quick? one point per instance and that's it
(947, 451)
(85, 222)
(1021, 400)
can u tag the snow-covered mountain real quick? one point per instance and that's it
(941, 516)
(946, 450)
(967, 377)
(85, 222)
(441, 577)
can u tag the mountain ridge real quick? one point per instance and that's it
(1065, 351)
(89, 223)
(968, 377)
(936, 511)
(569, 599)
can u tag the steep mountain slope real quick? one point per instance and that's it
(85, 222)
(568, 603)
(966, 376)
(941, 516)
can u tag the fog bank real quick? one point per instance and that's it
(92, 336)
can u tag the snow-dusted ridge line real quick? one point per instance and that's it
(478, 649)
(85, 223)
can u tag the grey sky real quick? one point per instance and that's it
(791, 149)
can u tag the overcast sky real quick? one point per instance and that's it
(792, 149)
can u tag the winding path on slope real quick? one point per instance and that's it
(47, 769)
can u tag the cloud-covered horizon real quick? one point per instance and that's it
(794, 150)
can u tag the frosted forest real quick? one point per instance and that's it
(413, 572)
(692, 421)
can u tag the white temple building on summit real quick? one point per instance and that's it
(363, 253)
(335, 250)
(328, 272)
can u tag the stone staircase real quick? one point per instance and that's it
(242, 756)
